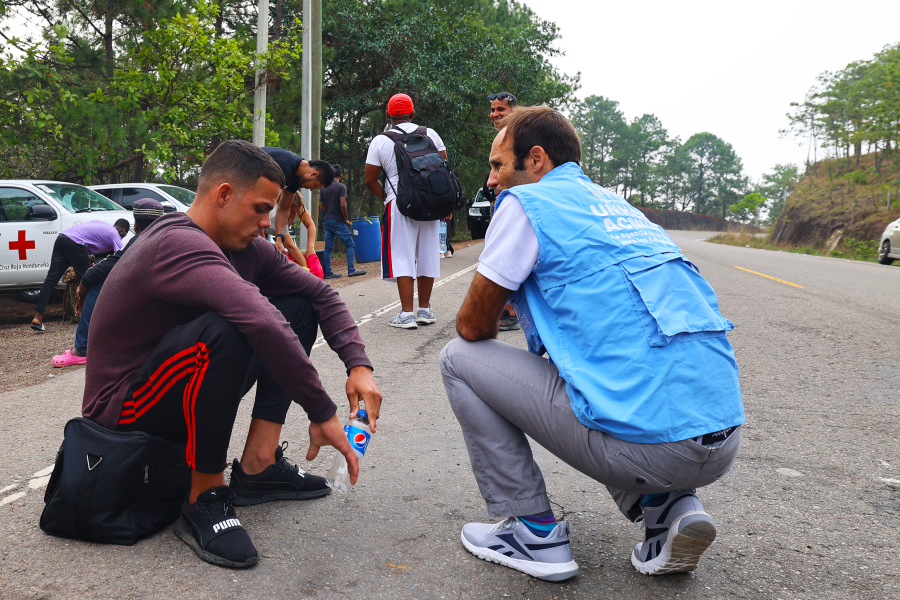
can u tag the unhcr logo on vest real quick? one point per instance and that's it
(613, 207)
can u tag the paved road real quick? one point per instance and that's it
(810, 509)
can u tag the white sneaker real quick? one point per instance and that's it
(511, 543)
(677, 533)
(407, 322)
(425, 316)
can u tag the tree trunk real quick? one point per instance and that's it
(108, 44)
(137, 175)
(276, 25)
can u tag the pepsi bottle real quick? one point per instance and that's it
(358, 434)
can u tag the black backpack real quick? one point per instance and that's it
(427, 189)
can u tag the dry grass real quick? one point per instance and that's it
(853, 249)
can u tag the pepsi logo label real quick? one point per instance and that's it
(358, 438)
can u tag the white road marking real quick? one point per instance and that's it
(320, 341)
(43, 472)
(891, 481)
(12, 498)
(9, 487)
(38, 482)
(789, 472)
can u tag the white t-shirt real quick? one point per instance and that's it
(510, 246)
(381, 154)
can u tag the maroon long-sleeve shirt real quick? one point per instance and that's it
(172, 274)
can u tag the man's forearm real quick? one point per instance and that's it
(376, 188)
(283, 211)
(344, 212)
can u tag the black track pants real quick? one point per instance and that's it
(66, 253)
(189, 388)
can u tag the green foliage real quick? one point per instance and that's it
(176, 87)
(857, 105)
(447, 56)
(640, 161)
(747, 210)
(862, 249)
(777, 186)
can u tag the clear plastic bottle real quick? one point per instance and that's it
(358, 434)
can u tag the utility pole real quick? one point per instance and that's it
(259, 94)
(311, 100)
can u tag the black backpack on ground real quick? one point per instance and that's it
(427, 189)
(113, 487)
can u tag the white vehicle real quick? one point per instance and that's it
(32, 214)
(172, 197)
(889, 250)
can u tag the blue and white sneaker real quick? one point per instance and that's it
(407, 322)
(425, 316)
(511, 543)
(678, 532)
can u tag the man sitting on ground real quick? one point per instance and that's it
(210, 308)
(74, 248)
(146, 210)
(640, 393)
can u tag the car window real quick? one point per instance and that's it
(132, 195)
(16, 203)
(184, 196)
(108, 193)
(78, 198)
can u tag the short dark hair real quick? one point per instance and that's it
(531, 126)
(338, 170)
(326, 173)
(242, 163)
(123, 224)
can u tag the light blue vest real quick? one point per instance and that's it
(633, 328)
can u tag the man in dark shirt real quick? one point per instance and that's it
(146, 210)
(298, 173)
(336, 223)
(199, 310)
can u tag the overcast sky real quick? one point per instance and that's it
(729, 68)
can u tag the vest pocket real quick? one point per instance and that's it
(673, 301)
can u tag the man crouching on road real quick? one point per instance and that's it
(641, 390)
(197, 311)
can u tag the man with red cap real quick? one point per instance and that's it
(409, 248)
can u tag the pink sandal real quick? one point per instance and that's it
(68, 359)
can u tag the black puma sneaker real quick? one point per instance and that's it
(280, 481)
(211, 528)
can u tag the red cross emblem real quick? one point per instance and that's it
(22, 245)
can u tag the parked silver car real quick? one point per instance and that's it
(889, 249)
(172, 197)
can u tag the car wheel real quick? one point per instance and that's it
(883, 253)
(29, 296)
(478, 231)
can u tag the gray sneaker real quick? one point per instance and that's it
(425, 316)
(677, 533)
(407, 322)
(509, 322)
(511, 544)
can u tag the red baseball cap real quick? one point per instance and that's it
(400, 104)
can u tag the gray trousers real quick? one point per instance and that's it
(501, 393)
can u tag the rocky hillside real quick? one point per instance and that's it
(837, 200)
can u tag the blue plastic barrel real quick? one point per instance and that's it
(367, 236)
